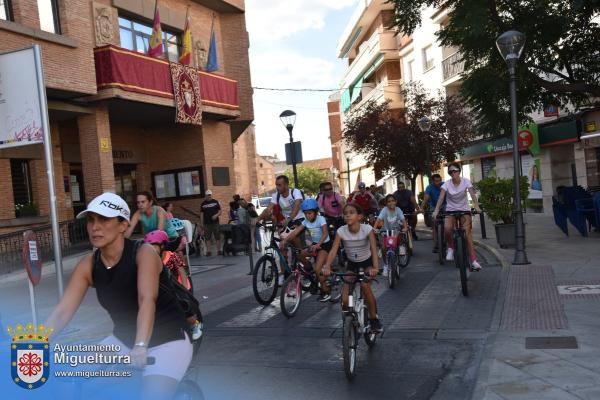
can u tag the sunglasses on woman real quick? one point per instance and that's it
(454, 170)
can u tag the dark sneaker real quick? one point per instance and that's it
(324, 297)
(376, 325)
(414, 234)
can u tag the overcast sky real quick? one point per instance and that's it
(292, 45)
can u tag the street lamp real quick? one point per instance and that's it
(425, 125)
(348, 153)
(288, 118)
(510, 45)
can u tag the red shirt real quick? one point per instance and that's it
(366, 200)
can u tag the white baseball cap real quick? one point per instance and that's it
(208, 192)
(108, 205)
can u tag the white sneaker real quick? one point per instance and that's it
(475, 266)
(197, 330)
(280, 280)
(450, 254)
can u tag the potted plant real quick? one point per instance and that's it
(26, 210)
(496, 198)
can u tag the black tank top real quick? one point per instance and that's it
(117, 293)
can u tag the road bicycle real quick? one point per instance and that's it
(440, 238)
(355, 320)
(461, 256)
(394, 253)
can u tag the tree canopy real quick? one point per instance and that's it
(392, 141)
(560, 64)
(309, 178)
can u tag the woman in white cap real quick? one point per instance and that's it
(148, 321)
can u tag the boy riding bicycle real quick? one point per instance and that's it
(316, 225)
(361, 250)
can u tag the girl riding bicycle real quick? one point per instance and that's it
(316, 225)
(391, 218)
(454, 191)
(361, 250)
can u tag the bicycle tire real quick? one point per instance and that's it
(410, 244)
(440, 244)
(391, 267)
(265, 272)
(291, 285)
(188, 390)
(349, 344)
(370, 337)
(404, 259)
(460, 258)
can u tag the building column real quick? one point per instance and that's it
(218, 152)
(96, 153)
(7, 211)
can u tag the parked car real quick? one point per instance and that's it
(260, 203)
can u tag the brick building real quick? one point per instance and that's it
(266, 174)
(246, 167)
(112, 110)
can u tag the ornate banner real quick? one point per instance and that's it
(186, 88)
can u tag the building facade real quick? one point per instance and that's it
(112, 108)
(246, 170)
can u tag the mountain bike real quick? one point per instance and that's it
(355, 321)
(461, 256)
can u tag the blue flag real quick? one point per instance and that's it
(212, 64)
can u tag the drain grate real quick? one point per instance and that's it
(551, 342)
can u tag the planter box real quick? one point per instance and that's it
(506, 235)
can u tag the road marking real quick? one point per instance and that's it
(578, 289)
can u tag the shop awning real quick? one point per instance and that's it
(559, 133)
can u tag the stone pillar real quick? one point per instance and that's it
(96, 153)
(7, 211)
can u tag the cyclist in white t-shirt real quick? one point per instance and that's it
(455, 191)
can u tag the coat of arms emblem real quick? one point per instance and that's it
(30, 355)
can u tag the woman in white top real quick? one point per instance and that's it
(455, 192)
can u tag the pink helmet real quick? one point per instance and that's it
(156, 237)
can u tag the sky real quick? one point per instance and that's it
(293, 45)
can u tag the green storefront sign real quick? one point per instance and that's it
(504, 144)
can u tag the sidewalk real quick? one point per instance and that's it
(544, 340)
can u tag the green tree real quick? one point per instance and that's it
(309, 178)
(559, 66)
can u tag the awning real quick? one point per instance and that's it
(356, 90)
(345, 100)
(559, 133)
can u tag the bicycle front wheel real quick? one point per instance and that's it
(461, 260)
(291, 294)
(264, 280)
(391, 269)
(349, 344)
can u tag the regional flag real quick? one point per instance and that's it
(212, 64)
(186, 52)
(155, 49)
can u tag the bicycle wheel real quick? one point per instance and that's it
(349, 344)
(440, 243)
(188, 390)
(409, 246)
(291, 294)
(370, 337)
(264, 280)
(460, 258)
(391, 269)
(403, 255)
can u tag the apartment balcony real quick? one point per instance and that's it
(381, 45)
(385, 91)
(452, 68)
(129, 75)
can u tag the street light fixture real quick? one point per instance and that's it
(288, 118)
(425, 125)
(348, 153)
(510, 45)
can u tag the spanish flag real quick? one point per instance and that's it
(186, 51)
(155, 49)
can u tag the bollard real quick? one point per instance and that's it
(482, 223)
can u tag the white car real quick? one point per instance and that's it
(260, 203)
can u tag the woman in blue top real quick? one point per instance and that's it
(153, 218)
(316, 226)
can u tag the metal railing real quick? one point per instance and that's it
(452, 66)
(73, 239)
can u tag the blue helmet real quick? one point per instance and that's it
(309, 204)
(177, 224)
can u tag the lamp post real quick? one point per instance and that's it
(510, 45)
(347, 153)
(288, 118)
(425, 125)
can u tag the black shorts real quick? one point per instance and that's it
(356, 266)
(326, 246)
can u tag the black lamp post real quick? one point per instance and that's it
(288, 118)
(425, 125)
(348, 153)
(510, 45)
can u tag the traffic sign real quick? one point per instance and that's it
(32, 257)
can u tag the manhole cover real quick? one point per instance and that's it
(551, 342)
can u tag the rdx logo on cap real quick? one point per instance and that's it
(115, 207)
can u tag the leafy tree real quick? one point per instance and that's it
(392, 141)
(309, 178)
(559, 66)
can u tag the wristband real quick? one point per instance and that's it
(141, 344)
